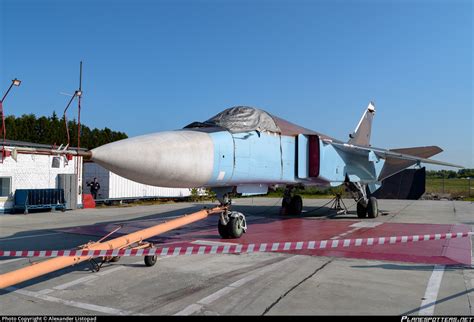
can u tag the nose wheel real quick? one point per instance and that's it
(235, 225)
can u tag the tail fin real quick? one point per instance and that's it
(361, 135)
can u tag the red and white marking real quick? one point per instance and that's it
(238, 248)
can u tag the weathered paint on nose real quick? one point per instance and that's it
(176, 159)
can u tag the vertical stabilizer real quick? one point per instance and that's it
(361, 135)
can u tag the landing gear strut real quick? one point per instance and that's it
(231, 224)
(366, 206)
(291, 204)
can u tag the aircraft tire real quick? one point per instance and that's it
(285, 206)
(296, 205)
(223, 230)
(150, 260)
(361, 210)
(234, 227)
(372, 208)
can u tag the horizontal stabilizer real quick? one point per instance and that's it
(395, 165)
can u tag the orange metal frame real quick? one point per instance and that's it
(48, 266)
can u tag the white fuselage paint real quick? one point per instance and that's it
(176, 159)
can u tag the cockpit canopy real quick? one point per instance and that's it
(240, 119)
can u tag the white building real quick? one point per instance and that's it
(113, 186)
(34, 171)
(31, 170)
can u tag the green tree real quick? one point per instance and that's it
(52, 130)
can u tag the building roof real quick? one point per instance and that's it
(24, 144)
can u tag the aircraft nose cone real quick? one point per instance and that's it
(175, 159)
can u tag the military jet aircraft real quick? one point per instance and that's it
(245, 150)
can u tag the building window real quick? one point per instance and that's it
(5, 186)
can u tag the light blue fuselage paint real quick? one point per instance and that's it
(269, 158)
(252, 157)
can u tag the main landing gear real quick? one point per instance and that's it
(366, 206)
(291, 204)
(231, 224)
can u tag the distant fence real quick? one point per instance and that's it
(455, 187)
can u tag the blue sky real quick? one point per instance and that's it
(159, 65)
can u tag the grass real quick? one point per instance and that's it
(455, 187)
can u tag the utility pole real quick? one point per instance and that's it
(15, 82)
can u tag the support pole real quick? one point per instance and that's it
(48, 266)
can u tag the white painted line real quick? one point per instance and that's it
(29, 236)
(11, 260)
(216, 295)
(85, 306)
(88, 278)
(431, 294)
(75, 282)
(366, 224)
(212, 243)
(242, 281)
(112, 270)
(346, 233)
(192, 308)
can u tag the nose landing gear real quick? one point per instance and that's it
(235, 227)
(231, 224)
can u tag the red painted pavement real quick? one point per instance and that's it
(268, 230)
